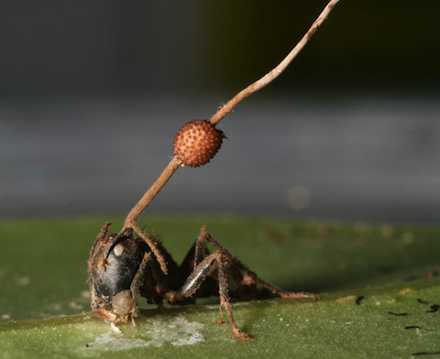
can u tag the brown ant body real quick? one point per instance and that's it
(121, 267)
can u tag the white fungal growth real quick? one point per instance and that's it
(160, 330)
(114, 328)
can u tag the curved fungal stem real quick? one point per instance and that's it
(152, 192)
(175, 163)
(276, 71)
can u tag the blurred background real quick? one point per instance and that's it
(92, 93)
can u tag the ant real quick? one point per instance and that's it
(122, 266)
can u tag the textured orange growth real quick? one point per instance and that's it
(197, 142)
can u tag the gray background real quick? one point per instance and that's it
(92, 93)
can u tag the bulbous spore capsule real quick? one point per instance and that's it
(197, 142)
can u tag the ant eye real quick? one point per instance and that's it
(118, 250)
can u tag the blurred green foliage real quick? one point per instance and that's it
(362, 43)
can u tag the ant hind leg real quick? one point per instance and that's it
(250, 277)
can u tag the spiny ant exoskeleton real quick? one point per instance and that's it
(122, 266)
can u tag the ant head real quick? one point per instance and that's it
(113, 264)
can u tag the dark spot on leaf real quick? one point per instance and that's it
(412, 327)
(398, 314)
(359, 299)
(434, 308)
(425, 353)
(422, 301)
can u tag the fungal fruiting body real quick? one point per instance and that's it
(197, 142)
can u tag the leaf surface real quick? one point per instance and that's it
(373, 283)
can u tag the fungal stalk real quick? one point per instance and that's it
(179, 158)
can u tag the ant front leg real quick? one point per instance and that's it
(152, 243)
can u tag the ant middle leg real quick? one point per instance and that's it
(219, 261)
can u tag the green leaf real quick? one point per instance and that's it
(44, 304)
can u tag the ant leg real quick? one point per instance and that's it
(138, 281)
(198, 276)
(153, 244)
(127, 232)
(98, 241)
(200, 251)
(250, 277)
(197, 253)
(104, 230)
(224, 300)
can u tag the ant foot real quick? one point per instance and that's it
(240, 335)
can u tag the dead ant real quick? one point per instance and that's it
(121, 267)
